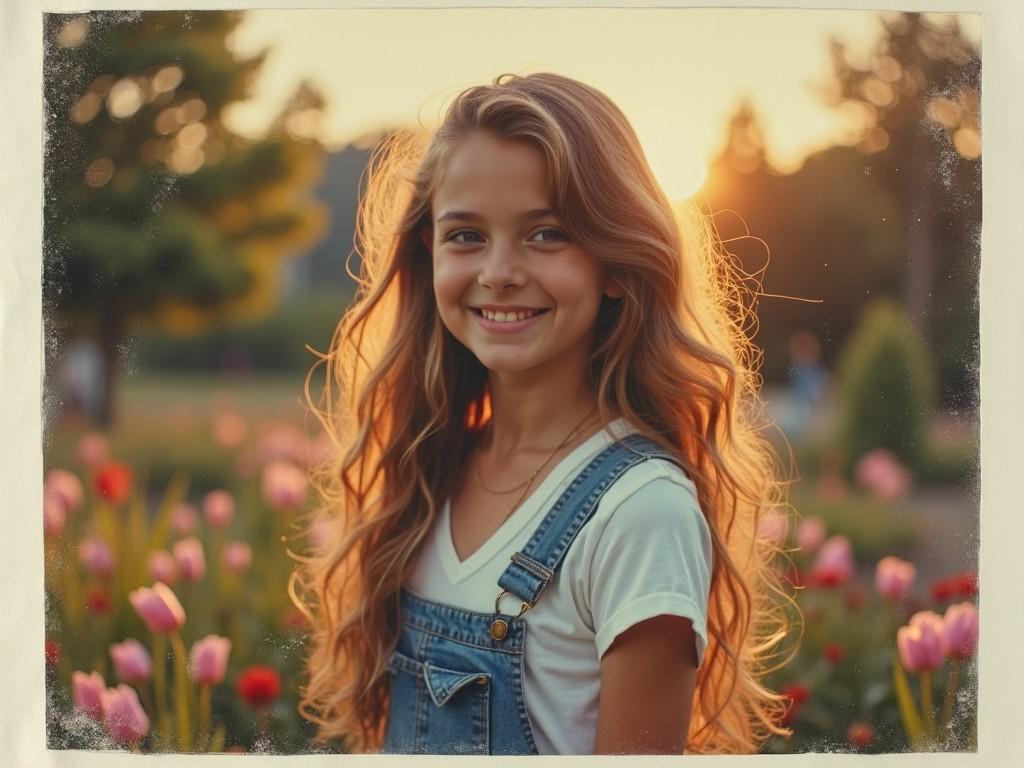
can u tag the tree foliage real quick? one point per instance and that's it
(156, 213)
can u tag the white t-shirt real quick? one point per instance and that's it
(645, 552)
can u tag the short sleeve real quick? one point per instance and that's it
(652, 557)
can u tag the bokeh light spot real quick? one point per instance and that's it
(73, 33)
(99, 172)
(125, 98)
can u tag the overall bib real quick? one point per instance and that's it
(457, 675)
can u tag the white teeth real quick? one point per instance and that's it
(507, 317)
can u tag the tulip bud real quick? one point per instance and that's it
(237, 556)
(219, 508)
(184, 519)
(96, 555)
(208, 660)
(87, 693)
(834, 564)
(773, 527)
(189, 557)
(894, 578)
(920, 643)
(92, 449)
(960, 638)
(124, 718)
(132, 661)
(65, 487)
(162, 566)
(810, 534)
(158, 608)
(284, 485)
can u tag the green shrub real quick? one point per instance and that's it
(886, 387)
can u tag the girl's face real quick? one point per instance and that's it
(508, 282)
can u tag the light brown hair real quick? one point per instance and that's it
(404, 401)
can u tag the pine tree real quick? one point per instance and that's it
(155, 212)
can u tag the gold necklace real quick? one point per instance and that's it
(532, 477)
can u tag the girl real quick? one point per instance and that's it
(548, 479)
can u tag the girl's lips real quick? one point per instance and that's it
(513, 326)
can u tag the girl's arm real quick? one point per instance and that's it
(648, 676)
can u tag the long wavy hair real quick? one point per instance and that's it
(403, 402)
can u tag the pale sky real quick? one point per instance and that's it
(677, 73)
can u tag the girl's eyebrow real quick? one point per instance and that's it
(535, 213)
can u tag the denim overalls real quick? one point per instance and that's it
(457, 675)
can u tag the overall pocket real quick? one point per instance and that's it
(435, 710)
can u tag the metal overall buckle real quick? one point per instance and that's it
(499, 627)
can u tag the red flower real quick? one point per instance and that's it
(966, 584)
(258, 685)
(52, 653)
(98, 602)
(860, 735)
(114, 482)
(798, 694)
(833, 652)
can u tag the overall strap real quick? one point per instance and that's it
(535, 565)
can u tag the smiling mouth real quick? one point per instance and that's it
(508, 317)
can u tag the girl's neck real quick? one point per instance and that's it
(536, 416)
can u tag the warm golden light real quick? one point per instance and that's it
(99, 172)
(968, 143)
(124, 99)
(86, 108)
(191, 136)
(192, 111)
(185, 161)
(167, 121)
(945, 111)
(168, 78)
(73, 33)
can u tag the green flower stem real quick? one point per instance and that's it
(926, 704)
(205, 718)
(160, 685)
(181, 694)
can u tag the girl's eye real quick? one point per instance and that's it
(455, 237)
(551, 235)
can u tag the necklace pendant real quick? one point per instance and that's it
(499, 629)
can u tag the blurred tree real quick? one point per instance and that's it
(155, 212)
(915, 102)
(893, 210)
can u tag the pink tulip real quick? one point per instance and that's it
(960, 638)
(237, 556)
(93, 449)
(184, 519)
(189, 557)
(321, 531)
(132, 661)
(219, 508)
(124, 717)
(55, 516)
(87, 693)
(65, 487)
(208, 660)
(810, 533)
(96, 556)
(162, 566)
(882, 473)
(773, 527)
(284, 485)
(920, 643)
(894, 578)
(834, 564)
(158, 608)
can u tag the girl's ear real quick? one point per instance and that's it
(427, 238)
(613, 290)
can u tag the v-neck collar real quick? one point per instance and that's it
(533, 505)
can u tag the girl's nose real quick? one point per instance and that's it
(501, 267)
